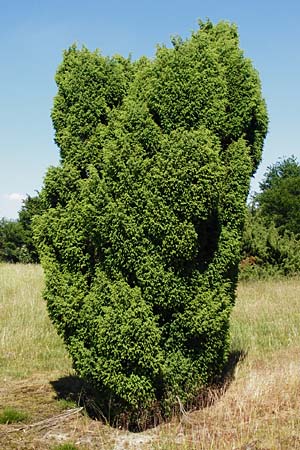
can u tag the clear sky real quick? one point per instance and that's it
(34, 33)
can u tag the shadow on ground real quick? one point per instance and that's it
(209, 395)
(74, 389)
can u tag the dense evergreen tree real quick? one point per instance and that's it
(140, 239)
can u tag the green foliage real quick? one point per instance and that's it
(12, 415)
(279, 200)
(11, 241)
(266, 251)
(16, 236)
(31, 207)
(140, 238)
(271, 240)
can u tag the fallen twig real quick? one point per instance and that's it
(48, 422)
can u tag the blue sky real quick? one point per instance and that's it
(33, 35)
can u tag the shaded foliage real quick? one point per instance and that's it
(140, 238)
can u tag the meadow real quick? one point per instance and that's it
(256, 407)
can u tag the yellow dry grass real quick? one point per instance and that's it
(28, 341)
(258, 409)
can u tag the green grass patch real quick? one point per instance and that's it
(11, 415)
(66, 404)
(66, 446)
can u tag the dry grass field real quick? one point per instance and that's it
(257, 408)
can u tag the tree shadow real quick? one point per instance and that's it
(73, 388)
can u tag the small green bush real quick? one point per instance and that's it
(140, 238)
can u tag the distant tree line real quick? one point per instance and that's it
(271, 240)
(16, 236)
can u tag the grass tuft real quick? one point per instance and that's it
(66, 404)
(66, 446)
(12, 415)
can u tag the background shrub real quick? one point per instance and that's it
(271, 238)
